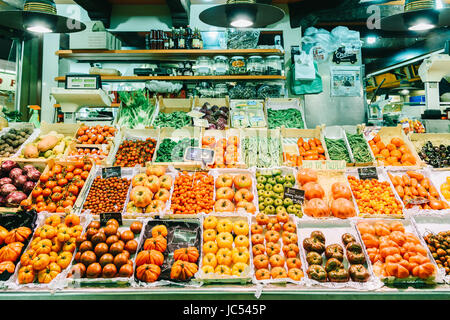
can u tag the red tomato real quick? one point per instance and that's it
(44, 177)
(56, 197)
(46, 192)
(57, 168)
(62, 182)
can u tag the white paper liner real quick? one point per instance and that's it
(247, 275)
(438, 177)
(333, 231)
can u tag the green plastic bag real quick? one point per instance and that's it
(306, 86)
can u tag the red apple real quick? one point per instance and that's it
(224, 180)
(242, 181)
(152, 183)
(139, 179)
(165, 182)
(141, 196)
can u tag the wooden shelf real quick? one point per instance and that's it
(163, 55)
(183, 78)
(390, 85)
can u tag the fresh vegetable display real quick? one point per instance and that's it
(217, 117)
(289, 118)
(95, 135)
(193, 193)
(133, 152)
(261, 151)
(177, 119)
(308, 149)
(337, 150)
(248, 116)
(95, 154)
(16, 182)
(106, 252)
(270, 186)
(394, 252)
(234, 193)
(225, 246)
(11, 141)
(226, 151)
(172, 151)
(415, 189)
(445, 188)
(275, 247)
(435, 156)
(395, 153)
(136, 110)
(47, 146)
(150, 192)
(439, 246)
(358, 145)
(51, 249)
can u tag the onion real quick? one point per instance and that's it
(15, 198)
(20, 180)
(7, 166)
(28, 186)
(7, 189)
(14, 173)
(28, 167)
(5, 180)
(33, 175)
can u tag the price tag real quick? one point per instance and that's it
(111, 172)
(104, 217)
(297, 195)
(195, 114)
(368, 173)
(199, 154)
(201, 123)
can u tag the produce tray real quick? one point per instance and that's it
(338, 133)
(106, 148)
(197, 103)
(265, 156)
(22, 162)
(419, 139)
(291, 135)
(59, 281)
(181, 234)
(246, 276)
(129, 215)
(382, 176)
(225, 134)
(333, 231)
(131, 134)
(278, 281)
(284, 104)
(12, 221)
(105, 282)
(20, 125)
(438, 177)
(410, 280)
(168, 105)
(355, 130)
(418, 209)
(432, 223)
(177, 135)
(251, 111)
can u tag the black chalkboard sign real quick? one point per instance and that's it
(110, 172)
(368, 173)
(199, 154)
(297, 195)
(105, 216)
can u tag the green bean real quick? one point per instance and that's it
(337, 149)
(290, 118)
(359, 147)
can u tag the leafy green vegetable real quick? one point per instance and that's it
(337, 149)
(171, 151)
(290, 118)
(359, 148)
(136, 110)
(177, 119)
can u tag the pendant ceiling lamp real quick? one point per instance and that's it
(419, 16)
(241, 14)
(39, 16)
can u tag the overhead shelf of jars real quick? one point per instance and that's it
(186, 78)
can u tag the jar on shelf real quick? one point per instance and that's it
(203, 66)
(238, 65)
(220, 65)
(221, 90)
(273, 65)
(255, 65)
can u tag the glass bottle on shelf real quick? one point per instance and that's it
(200, 39)
(170, 39)
(188, 38)
(181, 39)
(166, 40)
(196, 40)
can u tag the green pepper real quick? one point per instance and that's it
(317, 273)
(334, 251)
(314, 258)
(339, 275)
(347, 238)
(358, 273)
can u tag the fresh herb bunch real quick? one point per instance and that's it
(136, 110)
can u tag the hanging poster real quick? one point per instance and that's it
(345, 81)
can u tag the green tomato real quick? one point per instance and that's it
(280, 179)
(278, 202)
(268, 187)
(278, 188)
(261, 179)
(257, 174)
(268, 194)
(280, 209)
(290, 178)
(268, 201)
(298, 206)
(261, 206)
(260, 186)
(291, 209)
(279, 195)
(272, 181)
(269, 210)
(288, 202)
(288, 185)
(261, 193)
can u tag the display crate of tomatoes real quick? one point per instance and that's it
(48, 256)
(16, 230)
(133, 147)
(441, 180)
(169, 252)
(374, 198)
(151, 190)
(18, 178)
(98, 153)
(275, 249)
(62, 186)
(397, 253)
(226, 254)
(417, 191)
(302, 144)
(435, 231)
(193, 193)
(227, 148)
(172, 146)
(333, 256)
(105, 254)
(107, 193)
(235, 190)
(433, 149)
(93, 135)
(393, 149)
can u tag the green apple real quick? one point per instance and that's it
(268, 194)
(298, 206)
(290, 178)
(291, 209)
(272, 181)
(268, 201)
(280, 209)
(257, 174)
(261, 193)
(268, 187)
(260, 186)
(269, 210)
(278, 202)
(261, 206)
(280, 179)
(279, 195)
(288, 184)
(276, 172)
(278, 188)
(261, 179)
(288, 202)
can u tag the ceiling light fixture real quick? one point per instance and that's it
(371, 39)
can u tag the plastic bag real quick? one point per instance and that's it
(306, 86)
(242, 39)
(304, 67)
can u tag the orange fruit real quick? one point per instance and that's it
(404, 149)
(375, 149)
(380, 145)
(385, 153)
(371, 143)
(391, 160)
(376, 138)
(396, 153)
(390, 147)
(397, 141)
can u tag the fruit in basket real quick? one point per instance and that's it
(313, 190)
(166, 182)
(246, 206)
(240, 227)
(224, 205)
(306, 175)
(240, 254)
(158, 243)
(242, 181)
(238, 269)
(224, 240)
(200, 197)
(131, 153)
(225, 193)
(222, 270)
(155, 170)
(334, 251)
(395, 153)
(243, 194)
(262, 274)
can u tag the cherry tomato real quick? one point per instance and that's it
(84, 175)
(56, 197)
(44, 177)
(50, 184)
(37, 192)
(46, 192)
(62, 182)
(57, 168)
(57, 189)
